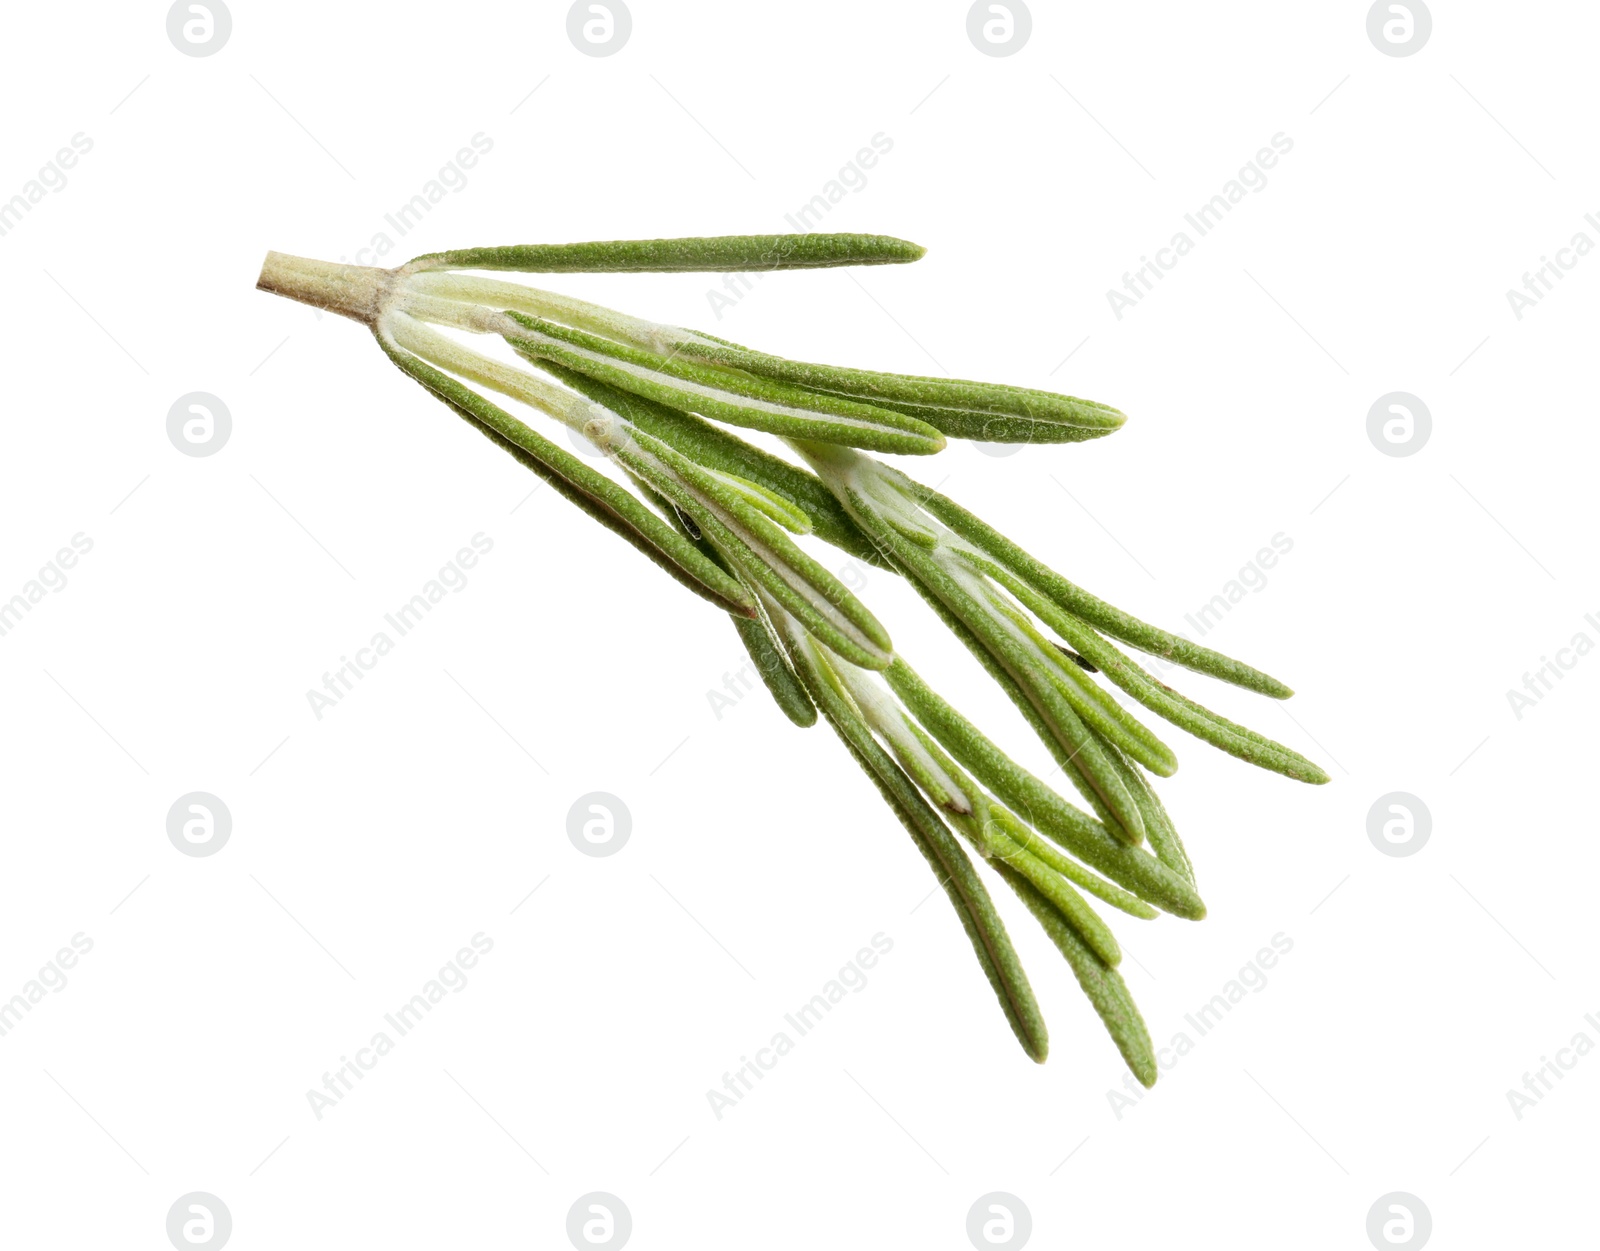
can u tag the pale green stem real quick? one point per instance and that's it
(567, 407)
(884, 715)
(568, 310)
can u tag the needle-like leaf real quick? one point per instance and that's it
(776, 676)
(962, 409)
(1102, 984)
(734, 398)
(713, 254)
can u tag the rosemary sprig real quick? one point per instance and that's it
(718, 515)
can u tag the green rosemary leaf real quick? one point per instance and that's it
(776, 676)
(957, 423)
(985, 929)
(1246, 743)
(716, 448)
(734, 398)
(713, 254)
(1103, 985)
(1166, 843)
(1131, 867)
(1098, 613)
(612, 505)
(967, 410)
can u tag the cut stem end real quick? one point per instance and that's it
(358, 292)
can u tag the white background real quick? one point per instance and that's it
(368, 846)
